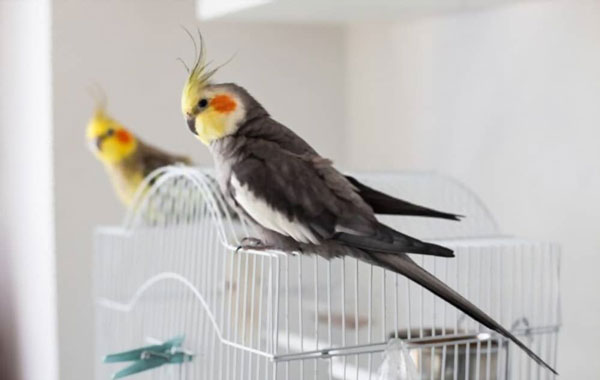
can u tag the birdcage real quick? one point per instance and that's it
(173, 269)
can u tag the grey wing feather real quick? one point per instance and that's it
(301, 188)
(308, 190)
(385, 204)
(400, 243)
(380, 202)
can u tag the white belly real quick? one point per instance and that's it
(268, 217)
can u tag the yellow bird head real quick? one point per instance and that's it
(110, 141)
(213, 111)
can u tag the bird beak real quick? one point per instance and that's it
(98, 142)
(191, 122)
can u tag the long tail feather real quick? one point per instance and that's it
(405, 266)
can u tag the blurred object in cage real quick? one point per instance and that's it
(150, 357)
(397, 363)
(455, 354)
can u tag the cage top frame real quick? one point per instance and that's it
(223, 217)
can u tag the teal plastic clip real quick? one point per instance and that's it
(150, 357)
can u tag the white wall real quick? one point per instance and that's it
(130, 49)
(27, 277)
(506, 100)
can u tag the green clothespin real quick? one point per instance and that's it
(149, 357)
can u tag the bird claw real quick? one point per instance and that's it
(252, 243)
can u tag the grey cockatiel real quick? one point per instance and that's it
(298, 200)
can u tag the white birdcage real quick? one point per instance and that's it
(172, 269)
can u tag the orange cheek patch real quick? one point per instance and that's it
(123, 136)
(223, 103)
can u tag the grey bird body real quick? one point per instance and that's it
(300, 202)
(326, 215)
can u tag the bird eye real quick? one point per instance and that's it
(110, 132)
(203, 103)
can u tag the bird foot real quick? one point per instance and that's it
(252, 243)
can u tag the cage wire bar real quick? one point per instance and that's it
(172, 268)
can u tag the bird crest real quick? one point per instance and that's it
(100, 101)
(199, 74)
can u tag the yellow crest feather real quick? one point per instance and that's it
(199, 75)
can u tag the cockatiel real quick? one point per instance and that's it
(126, 158)
(298, 200)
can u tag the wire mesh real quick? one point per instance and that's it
(172, 268)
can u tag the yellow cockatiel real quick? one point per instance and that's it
(126, 158)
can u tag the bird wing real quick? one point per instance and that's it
(293, 195)
(381, 203)
(407, 243)
(387, 205)
(305, 198)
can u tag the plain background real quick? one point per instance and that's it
(504, 99)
